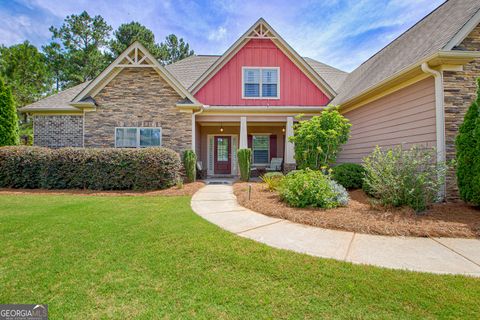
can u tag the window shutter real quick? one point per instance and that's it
(250, 141)
(273, 146)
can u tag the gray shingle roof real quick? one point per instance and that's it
(188, 70)
(425, 38)
(333, 76)
(59, 101)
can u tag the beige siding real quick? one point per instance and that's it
(404, 117)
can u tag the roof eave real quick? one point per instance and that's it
(436, 60)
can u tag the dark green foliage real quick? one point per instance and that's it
(26, 71)
(319, 140)
(468, 153)
(174, 49)
(349, 175)
(128, 33)
(83, 40)
(190, 165)
(97, 169)
(312, 188)
(8, 117)
(23, 167)
(244, 162)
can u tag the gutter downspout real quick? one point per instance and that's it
(439, 116)
(194, 128)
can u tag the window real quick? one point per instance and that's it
(138, 137)
(261, 149)
(222, 149)
(260, 83)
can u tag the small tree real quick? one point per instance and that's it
(318, 140)
(468, 153)
(244, 162)
(190, 165)
(8, 117)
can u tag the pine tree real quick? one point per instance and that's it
(468, 153)
(8, 117)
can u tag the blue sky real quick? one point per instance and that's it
(342, 33)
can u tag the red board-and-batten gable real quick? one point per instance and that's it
(225, 87)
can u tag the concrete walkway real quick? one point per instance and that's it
(218, 204)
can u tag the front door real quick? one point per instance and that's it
(222, 157)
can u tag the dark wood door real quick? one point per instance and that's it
(222, 157)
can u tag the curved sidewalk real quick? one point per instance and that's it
(218, 204)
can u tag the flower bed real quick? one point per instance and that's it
(441, 220)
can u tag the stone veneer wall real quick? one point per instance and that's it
(58, 131)
(459, 90)
(138, 97)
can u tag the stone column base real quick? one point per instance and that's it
(287, 167)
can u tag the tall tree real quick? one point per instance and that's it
(468, 153)
(25, 70)
(84, 40)
(127, 33)
(8, 117)
(56, 63)
(175, 49)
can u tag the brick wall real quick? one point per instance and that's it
(459, 90)
(58, 131)
(138, 97)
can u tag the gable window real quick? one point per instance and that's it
(260, 83)
(260, 149)
(138, 137)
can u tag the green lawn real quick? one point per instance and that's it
(152, 257)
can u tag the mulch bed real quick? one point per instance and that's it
(188, 190)
(456, 220)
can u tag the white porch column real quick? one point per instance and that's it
(289, 146)
(243, 133)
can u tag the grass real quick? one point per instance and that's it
(152, 257)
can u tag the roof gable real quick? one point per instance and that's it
(262, 30)
(135, 56)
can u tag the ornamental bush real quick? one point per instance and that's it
(468, 153)
(349, 175)
(190, 165)
(97, 169)
(8, 117)
(318, 140)
(312, 188)
(272, 180)
(244, 157)
(398, 177)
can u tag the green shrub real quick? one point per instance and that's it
(244, 157)
(23, 167)
(349, 175)
(190, 165)
(272, 180)
(97, 169)
(319, 140)
(8, 117)
(400, 177)
(468, 153)
(309, 188)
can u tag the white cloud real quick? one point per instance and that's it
(218, 34)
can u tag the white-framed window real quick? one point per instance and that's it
(261, 149)
(261, 83)
(132, 137)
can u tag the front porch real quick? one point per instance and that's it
(217, 139)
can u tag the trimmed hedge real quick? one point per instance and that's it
(349, 175)
(96, 169)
